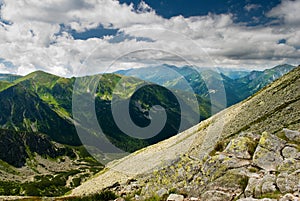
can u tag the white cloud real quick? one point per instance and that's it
(250, 7)
(288, 11)
(34, 40)
(3, 68)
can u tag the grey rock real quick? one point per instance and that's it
(161, 192)
(215, 195)
(252, 199)
(175, 197)
(292, 135)
(288, 182)
(289, 197)
(290, 152)
(253, 183)
(266, 159)
(268, 184)
(271, 142)
(239, 147)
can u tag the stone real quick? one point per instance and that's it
(292, 135)
(252, 184)
(119, 199)
(161, 192)
(175, 197)
(290, 152)
(215, 195)
(268, 184)
(240, 147)
(266, 159)
(288, 182)
(271, 142)
(289, 166)
(289, 197)
(252, 199)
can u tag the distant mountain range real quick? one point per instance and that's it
(238, 84)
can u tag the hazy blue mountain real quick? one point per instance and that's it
(238, 84)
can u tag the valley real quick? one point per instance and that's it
(42, 154)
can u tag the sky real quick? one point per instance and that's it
(79, 37)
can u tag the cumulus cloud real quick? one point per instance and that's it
(31, 37)
(288, 11)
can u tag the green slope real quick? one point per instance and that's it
(43, 102)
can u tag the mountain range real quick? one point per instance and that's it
(247, 152)
(41, 152)
(238, 84)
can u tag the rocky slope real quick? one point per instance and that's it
(249, 151)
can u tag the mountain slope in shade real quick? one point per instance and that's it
(31, 164)
(41, 102)
(23, 110)
(248, 150)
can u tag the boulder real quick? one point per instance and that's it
(252, 199)
(161, 192)
(289, 197)
(288, 182)
(271, 142)
(292, 135)
(215, 195)
(290, 152)
(175, 197)
(240, 147)
(266, 159)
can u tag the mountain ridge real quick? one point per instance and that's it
(198, 170)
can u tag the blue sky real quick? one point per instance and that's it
(77, 37)
(170, 8)
(249, 12)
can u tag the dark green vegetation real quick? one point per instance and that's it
(38, 133)
(238, 84)
(41, 102)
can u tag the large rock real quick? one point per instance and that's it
(215, 195)
(266, 159)
(292, 135)
(290, 152)
(271, 142)
(252, 199)
(289, 197)
(288, 183)
(175, 197)
(241, 147)
(258, 186)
